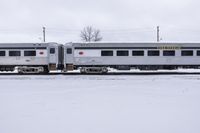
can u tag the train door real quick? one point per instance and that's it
(69, 58)
(53, 58)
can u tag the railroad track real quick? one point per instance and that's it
(111, 73)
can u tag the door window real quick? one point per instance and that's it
(52, 50)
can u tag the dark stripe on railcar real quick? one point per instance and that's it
(190, 47)
(116, 48)
(23, 47)
(133, 48)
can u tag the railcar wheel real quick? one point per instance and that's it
(83, 70)
(104, 70)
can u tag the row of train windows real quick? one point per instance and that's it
(18, 53)
(149, 53)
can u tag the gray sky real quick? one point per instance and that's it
(118, 20)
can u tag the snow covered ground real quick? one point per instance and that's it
(100, 104)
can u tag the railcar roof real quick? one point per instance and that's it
(26, 44)
(125, 44)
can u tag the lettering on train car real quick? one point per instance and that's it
(169, 47)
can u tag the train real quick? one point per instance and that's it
(97, 57)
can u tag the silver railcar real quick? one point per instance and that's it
(97, 57)
(30, 57)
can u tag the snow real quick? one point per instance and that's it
(180, 70)
(100, 104)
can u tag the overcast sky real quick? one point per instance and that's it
(118, 20)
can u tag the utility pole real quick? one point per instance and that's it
(44, 34)
(158, 33)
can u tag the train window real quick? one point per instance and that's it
(198, 53)
(187, 53)
(29, 53)
(137, 53)
(69, 51)
(106, 53)
(122, 53)
(154, 53)
(169, 53)
(2, 53)
(14, 53)
(52, 50)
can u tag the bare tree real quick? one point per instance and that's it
(97, 36)
(89, 34)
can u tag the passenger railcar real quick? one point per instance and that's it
(98, 57)
(30, 57)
